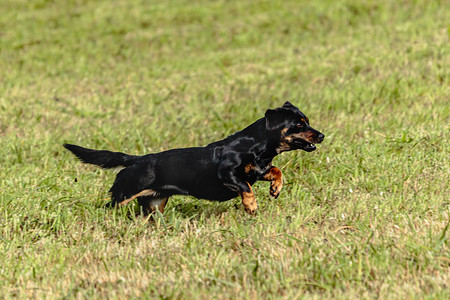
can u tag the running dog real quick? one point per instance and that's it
(219, 171)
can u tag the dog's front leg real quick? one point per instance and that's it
(275, 177)
(246, 192)
(226, 173)
(249, 201)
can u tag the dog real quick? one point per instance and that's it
(219, 171)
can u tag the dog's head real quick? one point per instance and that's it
(291, 127)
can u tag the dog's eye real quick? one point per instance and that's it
(299, 125)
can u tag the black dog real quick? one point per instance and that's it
(220, 171)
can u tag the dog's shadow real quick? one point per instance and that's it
(197, 209)
(192, 209)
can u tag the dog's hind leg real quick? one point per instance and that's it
(146, 192)
(131, 183)
(150, 204)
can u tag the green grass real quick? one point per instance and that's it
(365, 216)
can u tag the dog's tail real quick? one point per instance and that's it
(103, 158)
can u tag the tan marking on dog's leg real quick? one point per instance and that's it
(249, 201)
(275, 177)
(158, 204)
(141, 193)
(150, 205)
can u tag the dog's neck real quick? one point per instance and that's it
(268, 141)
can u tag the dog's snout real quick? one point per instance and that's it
(320, 137)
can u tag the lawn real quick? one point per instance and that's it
(364, 216)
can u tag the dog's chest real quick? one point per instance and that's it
(257, 167)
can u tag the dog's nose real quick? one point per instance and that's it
(321, 137)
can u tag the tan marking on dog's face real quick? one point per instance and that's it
(284, 143)
(287, 140)
(307, 136)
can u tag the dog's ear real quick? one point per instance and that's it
(288, 104)
(274, 118)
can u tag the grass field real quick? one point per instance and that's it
(365, 216)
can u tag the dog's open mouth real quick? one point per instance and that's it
(309, 147)
(304, 145)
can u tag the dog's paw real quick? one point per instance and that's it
(250, 204)
(275, 188)
(251, 210)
